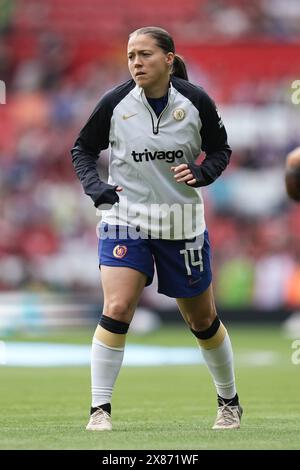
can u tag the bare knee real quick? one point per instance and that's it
(201, 322)
(202, 318)
(119, 310)
(199, 312)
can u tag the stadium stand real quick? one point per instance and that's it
(57, 57)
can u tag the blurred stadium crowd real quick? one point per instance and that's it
(57, 58)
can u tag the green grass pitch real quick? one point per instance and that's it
(155, 407)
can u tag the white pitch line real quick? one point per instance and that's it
(53, 354)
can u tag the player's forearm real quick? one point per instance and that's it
(211, 168)
(86, 170)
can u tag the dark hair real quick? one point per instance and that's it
(165, 41)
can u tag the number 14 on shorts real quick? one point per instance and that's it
(190, 259)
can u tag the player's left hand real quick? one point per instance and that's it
(183, 174)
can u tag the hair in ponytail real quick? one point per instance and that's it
(179, 68)
(165, 41)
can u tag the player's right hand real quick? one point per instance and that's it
(108, 196)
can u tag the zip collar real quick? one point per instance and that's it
(139, 93)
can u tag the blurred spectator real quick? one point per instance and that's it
(235, 281)
(7, 9)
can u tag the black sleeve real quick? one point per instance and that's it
(214, 144)
(93, 138)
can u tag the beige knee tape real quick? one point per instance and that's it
(214, 341)
(112, 340)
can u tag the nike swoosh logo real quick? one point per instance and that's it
(194, 282)
(127, 116)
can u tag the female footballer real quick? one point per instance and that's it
(156, 125)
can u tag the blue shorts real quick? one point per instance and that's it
(183, 266)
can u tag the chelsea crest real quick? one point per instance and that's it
(179, 114)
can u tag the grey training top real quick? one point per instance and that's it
(143, 148)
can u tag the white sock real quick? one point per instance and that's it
(106, 362)
(220, 364)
